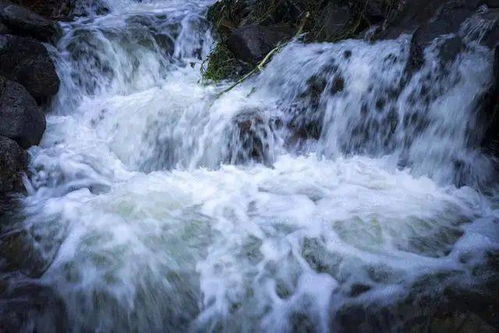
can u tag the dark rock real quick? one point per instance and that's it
(335, 22)
(250, 139)
(450, 49)
(425, 309)
(491, 111)
(24, 22)
(24, 302)
(13, 162)
(447, 20)
(338, 85)
(358, 289)
(252, 43)
(53, 9)
(27, 61)
(492, 3)
(409, 16)
(375, 11)
(64, 10)
(20, 252)
(22, 120)
(491, 37)
(4, 29)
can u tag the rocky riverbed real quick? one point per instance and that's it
(28, 80)
(246, 165)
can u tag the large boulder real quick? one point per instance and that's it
(54, 9)
(13, 162)
(24, 22)
(491, 111)
(26, 61)
(448, 19)
(22, 119)
(335, 22)
(253, 42)
(491, 37)
(64, 10)
(408, 16)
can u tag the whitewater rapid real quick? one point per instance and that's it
(158, 205)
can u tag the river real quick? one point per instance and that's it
(159, 203)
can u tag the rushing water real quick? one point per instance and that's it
(332, 178)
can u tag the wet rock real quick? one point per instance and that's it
(13, 162)
(250, 29)
(425, 315)
(24, 22)
(29, 303)
(22, 253)
(252, 43)
(491, 37)
(375, 11)
(22, 120)
(434, 303)
(335, 22)
(302, 323)
(64, 10)
(53, 9)
(491, 111)
(408, 16)
(447, 20)
(4, 29)
(27, 62)
(13, 249)
(459, 322)
(358, 289)
(450, 49)
(250, 139)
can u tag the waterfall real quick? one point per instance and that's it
(336, 176)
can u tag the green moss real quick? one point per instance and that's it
(227, 15)
(221, 64)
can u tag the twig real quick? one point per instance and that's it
(262, 63)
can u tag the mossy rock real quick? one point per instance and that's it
(222, 64)
(328, 21)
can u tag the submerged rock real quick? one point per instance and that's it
(22, 119)
(27, 62)
(24, 22)
(20, 252)
(250, 139)
(21, 302)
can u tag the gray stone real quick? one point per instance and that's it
(13, 162)
(27, 23)
(27, 62)
(253, 42)
(335, 21)
(20, 118)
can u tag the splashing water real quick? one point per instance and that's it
(333, 177)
